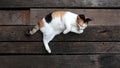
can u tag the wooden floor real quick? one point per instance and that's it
(97, 47)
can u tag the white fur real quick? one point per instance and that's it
(56, 26)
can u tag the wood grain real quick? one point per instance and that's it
(47, 61)
(60, 48)
(59, 61)
(109, 61)
(14, 17)
(92, 33)
(97, 47)
(58, 3)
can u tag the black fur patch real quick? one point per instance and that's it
(82, 16)
(48, 18)
(87, 20)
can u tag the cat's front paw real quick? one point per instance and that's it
(81, 31)
(65, 31)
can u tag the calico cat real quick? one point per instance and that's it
(59, 21)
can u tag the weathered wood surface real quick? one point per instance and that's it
(59, 3)
(98, 16)
(92, 33)
(60, 61)
(47, 61)
(103, 35)
(109, 61)
(60, 48)
(97, 47)
(14, 17)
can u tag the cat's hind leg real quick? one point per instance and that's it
(46, 39)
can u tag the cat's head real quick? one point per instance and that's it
(82, 21)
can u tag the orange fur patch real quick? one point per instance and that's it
(58, 14)
(41, 23)
(79, 20)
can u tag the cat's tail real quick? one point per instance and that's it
(33, 30)
(36, 28)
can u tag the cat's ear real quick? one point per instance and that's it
(82, 16)
(87, 20)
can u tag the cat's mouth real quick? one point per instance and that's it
(81, 27)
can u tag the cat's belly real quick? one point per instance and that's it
(57, 25)
(59, 29)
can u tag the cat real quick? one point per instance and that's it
(57, 22)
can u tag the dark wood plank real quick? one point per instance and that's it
(14, 17)
(60, 48)
(109, 61)
(99, 16)
(47, 61)
(59, 3)
(92, 33)
(60, 61)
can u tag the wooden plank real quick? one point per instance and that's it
(59, 3)
(59, 61)
(47, 61)
(99, 16)
(60, 48)
(92, 33)
(14, 17)
(109, 61)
